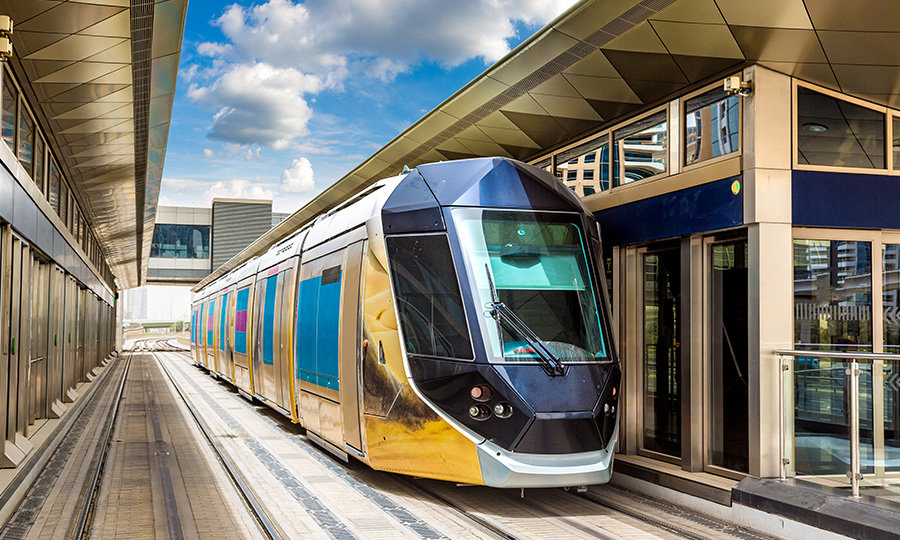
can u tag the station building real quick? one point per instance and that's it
(86, 98)
(188, 242)
(739, 219)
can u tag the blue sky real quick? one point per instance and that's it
(278, 99)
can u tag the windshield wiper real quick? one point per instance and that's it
(503, 314)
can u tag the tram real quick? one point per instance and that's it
(448, 323)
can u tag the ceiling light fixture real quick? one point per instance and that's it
(815, 128)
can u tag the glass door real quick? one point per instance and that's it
(661, 351)
(727, 385)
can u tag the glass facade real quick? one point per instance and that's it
(712, 122)
(661, 281)
(26, 140)
(180, 241)
(833, 295)
(729, 419)
(641, 149)
(834, 132)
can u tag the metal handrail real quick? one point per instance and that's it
(853, 371)
(840, 355)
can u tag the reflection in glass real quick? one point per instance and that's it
(895, 121)
(180, 241)
(712, 123)
(837, 133)
(39, 164)
(729, 419)
(832, 311)
(54, 181)
(640, 150)
(26, 140)
(891, 370)
(8, 123)
(536, 264)
(662, 352)
(833, 294)
(587, 173)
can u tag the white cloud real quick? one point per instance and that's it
(328, 35)
(298, 178)
(281, 53)
(237, 189)
(258, 104)
(208, 153)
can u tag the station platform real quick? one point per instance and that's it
(163, 450)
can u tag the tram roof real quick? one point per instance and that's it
(90, 66)
(605, 59)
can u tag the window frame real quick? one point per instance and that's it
(888, 113)
(682, 131)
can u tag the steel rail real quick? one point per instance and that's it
(257, 509)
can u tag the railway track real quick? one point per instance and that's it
(263, 519)
(477, 521)
(488, 510)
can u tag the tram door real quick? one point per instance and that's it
(285, 308)
(209, 355)
(40, 323)
(350, 345)
(224, 329)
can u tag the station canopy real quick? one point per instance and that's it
(605, 59)
(102, 75)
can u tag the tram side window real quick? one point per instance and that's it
(428, 296)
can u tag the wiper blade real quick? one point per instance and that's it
(549, 361)
(503, 314)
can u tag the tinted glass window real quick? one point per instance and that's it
(592, 159)
(9, 101)
(39, 163)
(641, 149)
(896, 143)
(26, 140)
(834, 132)
(428, 297)
(711, 125)
(53, 196)
(180, 241)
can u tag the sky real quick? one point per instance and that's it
(279, 99)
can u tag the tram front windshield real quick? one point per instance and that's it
(534, 265)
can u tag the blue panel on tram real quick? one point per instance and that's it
(268, 333)
(318, 314)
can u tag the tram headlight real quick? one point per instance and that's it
(479, 412)
(503, 410)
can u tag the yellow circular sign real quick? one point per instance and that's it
(736, 187)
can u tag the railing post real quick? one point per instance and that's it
(783, 367)
(854, 474)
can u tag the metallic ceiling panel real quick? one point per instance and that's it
(604, 88)
(641, 39)
(567, 107)
(681, 39)
(874, 48)
(512, 137)
(79, 72)
(473, 97)
(74, 47)
(69, 111)
(779, 44)
(766, 13)
(594, 64)
(859, 16)
(556, 86)
(495, 120)
(868, 79)
(694, 11)
(68, 18)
